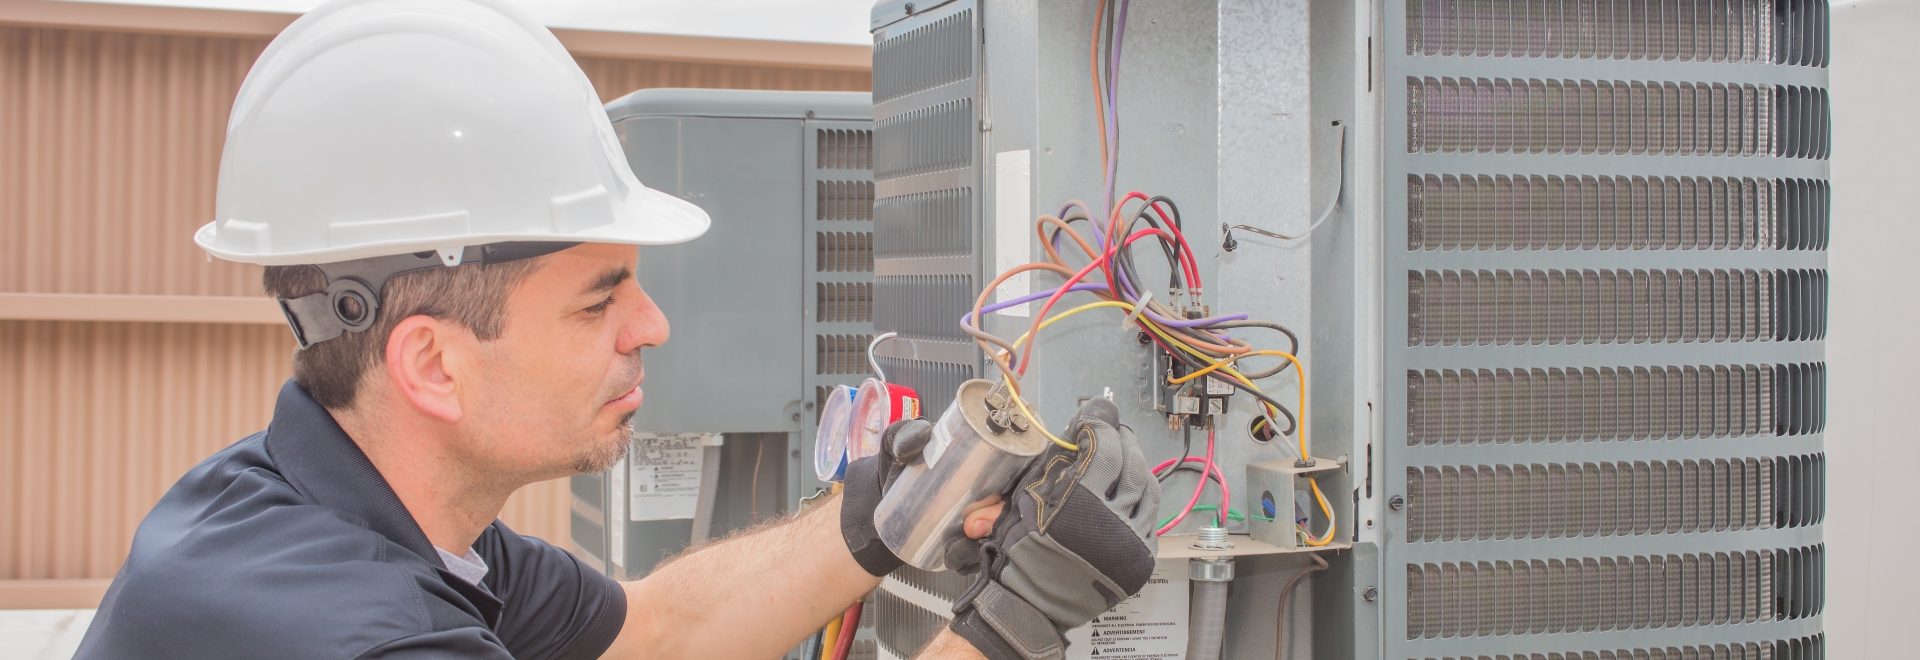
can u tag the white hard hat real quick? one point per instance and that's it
(372, 128)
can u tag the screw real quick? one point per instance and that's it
(1143, 338)
(909, 9)
(1370, 594)
(795, 453)
(796, 417)
(1396, 503)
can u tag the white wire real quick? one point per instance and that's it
(874, 361)
(1340, 171)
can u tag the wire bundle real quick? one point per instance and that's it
(1198, 345)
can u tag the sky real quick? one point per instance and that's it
(831, 21)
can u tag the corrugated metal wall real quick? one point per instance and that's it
(109, 149)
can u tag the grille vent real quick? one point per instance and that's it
(931, 139)
(1565, 500)
(931, 224)
(1614, 306)
(842, 149)
(863, 649)
(843, 251)
(903, 627)
(843, 302)
(1521, 212)
(1802, 648)
(948, 585)
(1612, 593)
(1741, 31)
(922, 306)
(924, 58)
(843, 200)
(936, 382)
(1449, 115)
(840, 354)
(1496, 406)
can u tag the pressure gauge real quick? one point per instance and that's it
(877, 405)
(830, 440)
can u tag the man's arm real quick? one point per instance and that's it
(758, 594)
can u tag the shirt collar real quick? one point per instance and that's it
(318, 459)
(321, 462)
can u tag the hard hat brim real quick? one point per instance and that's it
(645, 217)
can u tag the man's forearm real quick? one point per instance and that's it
(752, 596)
(949, 646)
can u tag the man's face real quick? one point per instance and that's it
(558, 386)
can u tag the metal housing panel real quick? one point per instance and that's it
(1604, 238)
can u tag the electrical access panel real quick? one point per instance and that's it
(769, 309)
(1548, 277)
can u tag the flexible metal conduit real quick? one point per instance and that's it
(1207, 622)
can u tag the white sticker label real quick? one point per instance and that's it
(1012, 224)
(1151, 624)
(664, 475)
(936, 445)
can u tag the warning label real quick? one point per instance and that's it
(665, 475)
(1152, 624)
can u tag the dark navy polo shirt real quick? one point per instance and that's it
(289, 544)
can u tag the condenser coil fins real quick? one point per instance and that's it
(926, 202)
(1606, 277)
(924, 249)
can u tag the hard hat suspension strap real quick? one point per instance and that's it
(351, 301)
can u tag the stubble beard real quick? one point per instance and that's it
(609, 452)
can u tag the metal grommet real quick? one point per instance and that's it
(353, 304)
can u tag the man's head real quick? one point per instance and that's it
(527, 369)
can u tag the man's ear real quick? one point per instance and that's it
(422, 369)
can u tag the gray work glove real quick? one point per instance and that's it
(1074, 541)
(866, 481)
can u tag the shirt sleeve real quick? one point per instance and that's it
(556, 608)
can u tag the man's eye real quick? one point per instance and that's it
(602, 306)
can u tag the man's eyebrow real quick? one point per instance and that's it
(610, 280)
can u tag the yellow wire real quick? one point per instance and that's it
(1228, 361)
(1221, 365)
(830, 637)
(1326, 537)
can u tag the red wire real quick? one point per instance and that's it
(1197, 489)
(1219, 477)
(1193, 270)
(849, 626)
(1033, 334)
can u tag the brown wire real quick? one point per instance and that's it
(983, 337)
(1280, 617)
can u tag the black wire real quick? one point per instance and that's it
(1188, 467)
(1176, 278)
(1293, 423)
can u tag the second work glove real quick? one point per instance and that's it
(866, 481)
(1074, 541)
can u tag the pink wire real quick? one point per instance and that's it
(1206, 467)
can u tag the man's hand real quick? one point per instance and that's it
(1078, 540)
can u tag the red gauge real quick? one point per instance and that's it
(830, 440)
(877, 405)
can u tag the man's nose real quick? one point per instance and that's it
(646, 326)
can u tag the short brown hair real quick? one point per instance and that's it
(471, 295)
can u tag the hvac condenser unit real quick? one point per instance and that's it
(1562, 323)
(769, 309)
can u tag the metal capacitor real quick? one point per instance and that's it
(964, 467)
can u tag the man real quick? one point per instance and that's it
(446, 220)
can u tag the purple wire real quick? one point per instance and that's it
(1113, 104)
(967, 318)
